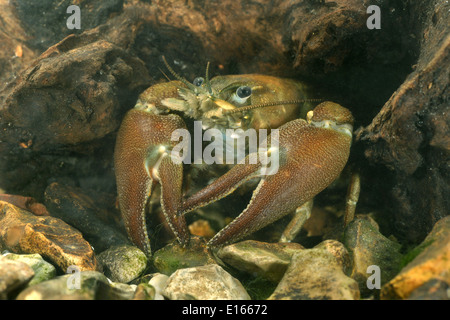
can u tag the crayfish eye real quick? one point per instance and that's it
(243, 92)
(198, 81)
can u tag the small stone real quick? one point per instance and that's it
(14, 275)
(114, 291)
(53, 239)
(42, 269)
(368, 247)
(65, 287)
(431, 261)
(201, 228)
(123, 263)
(339, 251)
(144, 292)
(268, 260)
(173, 256)
(314, 274)
(26, 203)
(159, 282)
(434, 289)
(209, 282)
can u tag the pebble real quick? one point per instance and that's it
(159, 283)
(315, 274)
(23, 232)
(14, 275)
(85, 285)
(338, 250)
(210, 282)
(430, 260)
(267, 260)
(368, 247)
(114, 291)
(201, 228)
(434, 289)
(144, 292)
(26, 203)
(173, 256)
(42, 269)
(123, 263)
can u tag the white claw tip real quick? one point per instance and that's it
(309, 116)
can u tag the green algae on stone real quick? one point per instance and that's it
(123, 263)
(173, 257)
(144, 291)
(315, 274)
(63, 288)
(368, 247)
(413, 253)
(42, 269)
(14, 275)
(267, 260)
(91, 285)
(431, 263)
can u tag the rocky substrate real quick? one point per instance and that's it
(59, 264)
(63, 94)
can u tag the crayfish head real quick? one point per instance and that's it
(239, 101)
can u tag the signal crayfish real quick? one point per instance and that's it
(310, 154)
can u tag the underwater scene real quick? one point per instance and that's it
(224, 150)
